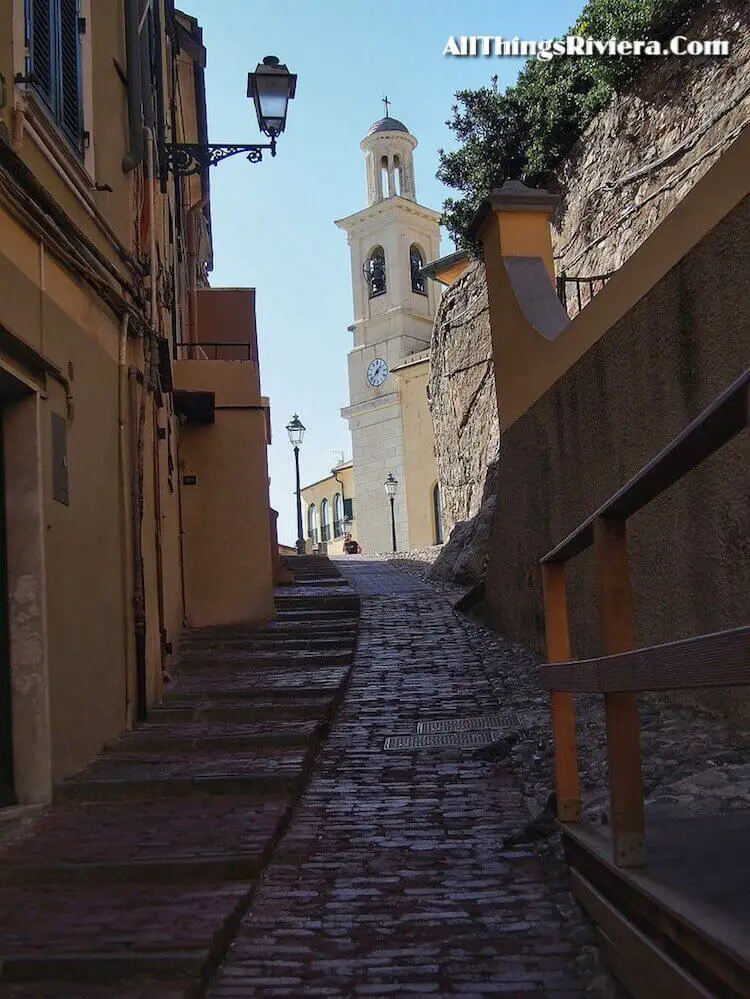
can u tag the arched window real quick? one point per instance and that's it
(416, 263)
(397, 174)
(325, 527)
(312, 523)
(384, 182)
(338, 516)
(438, 511)
(374, 271)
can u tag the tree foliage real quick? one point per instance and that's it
(523, 132)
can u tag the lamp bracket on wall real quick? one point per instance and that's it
(187, 158)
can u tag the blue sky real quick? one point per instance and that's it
(273, 222)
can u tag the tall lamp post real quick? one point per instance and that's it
(296, 431)
(391, 484)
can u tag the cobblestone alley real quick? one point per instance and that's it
(385, 878)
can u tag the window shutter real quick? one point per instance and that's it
(70, 72)
(40, 46)
(348, 509)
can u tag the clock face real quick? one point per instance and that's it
(377, 372)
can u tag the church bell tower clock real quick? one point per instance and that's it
(394, 308)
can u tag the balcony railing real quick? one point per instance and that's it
(313, 537)
(579, 289)
(338, 528)
(217, 350)
(326, 532)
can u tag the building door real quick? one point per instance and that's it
(7, 794)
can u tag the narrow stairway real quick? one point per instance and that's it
(134, 884)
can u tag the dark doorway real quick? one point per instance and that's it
(7, 793)
(438, 511)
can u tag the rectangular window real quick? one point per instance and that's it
(53, 39)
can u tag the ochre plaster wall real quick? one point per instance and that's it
(600, 422)
(226, 514)
(82, 558)
(419, 454)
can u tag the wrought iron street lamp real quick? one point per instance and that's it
(391, 484)
(296, 431)
(271, 87)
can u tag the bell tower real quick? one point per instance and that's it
(394, 308)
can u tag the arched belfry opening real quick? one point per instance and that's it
(374, 272)
(389, 148)
(416, 263)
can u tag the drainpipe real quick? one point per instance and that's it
(192, 255)
(151, 163)
(135, 87)
(126, 541)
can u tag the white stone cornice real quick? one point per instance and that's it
(370, 405)
(394, 206)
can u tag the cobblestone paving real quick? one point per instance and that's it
(391, 880)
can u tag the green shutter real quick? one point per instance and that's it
(39, 28)
(348, 509)
(69, 100)
(53, 38)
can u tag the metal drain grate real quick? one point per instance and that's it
(444, 739)
(511, 719)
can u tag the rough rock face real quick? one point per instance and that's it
(636, 161)
(462, 396)
(643, 153)
(464, 558)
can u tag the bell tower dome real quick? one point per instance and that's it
(389, 147)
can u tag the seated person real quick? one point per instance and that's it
(351, 547)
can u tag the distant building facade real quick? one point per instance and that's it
(330, 509)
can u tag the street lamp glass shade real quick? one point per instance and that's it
(296, 431)
(271, 87)
(391, 484)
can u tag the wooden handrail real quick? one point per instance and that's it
(717, 660)
(721, 659)
(719, 423)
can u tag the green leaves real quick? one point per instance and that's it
(524, 132)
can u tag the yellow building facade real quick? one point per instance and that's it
(330, 510)
(122, 520)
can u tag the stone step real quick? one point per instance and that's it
(130, 776)
(255, 663)
(122, 931)
(197, 829)
(233, 712)
(214, 870)
(79, 989)
(302, 635)
(311, 618)
(242, 683)
(206, 736)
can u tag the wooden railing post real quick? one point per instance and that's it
(623, 739)
(562, 705)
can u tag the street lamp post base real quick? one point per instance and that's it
(300, 547)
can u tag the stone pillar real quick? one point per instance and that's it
(526, 315)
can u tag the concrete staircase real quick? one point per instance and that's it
(143, 868)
